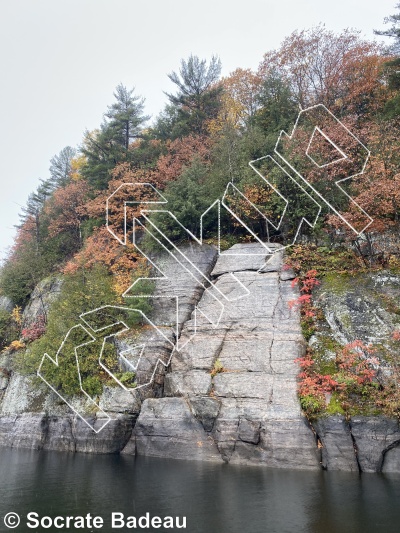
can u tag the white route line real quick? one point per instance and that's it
(337, 183)
(56, 363)
(303, 219)
(183, 260)
(126, 328)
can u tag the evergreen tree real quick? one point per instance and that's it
(60, 167)
(125, 116)
(394, 31)
(109, 145)
(34, 208)
(278, 109)
(392, 107)
(198, 96)
(188, 198)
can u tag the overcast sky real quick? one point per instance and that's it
(62, 59)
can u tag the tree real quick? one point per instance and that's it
(125, 116)
(64, 216)
(198, 96)
(188, 197)
(243, 87)
(101, 156)
(167, 124)
(31, 216)
(277, 106)
(106, 147)
(180, 154)
(341, 71)
(61, 167)
(378, 193)
(238, 102)
(394, 31)
(392, 107)
(23, 269)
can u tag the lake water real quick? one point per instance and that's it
(213, 498)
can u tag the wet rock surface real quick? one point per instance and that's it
(72, 434)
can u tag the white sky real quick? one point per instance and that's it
(61, 60)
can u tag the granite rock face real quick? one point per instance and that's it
(6, 304)
(41, 299)
(360, 307)
(166, 427)
(71, 434)
(237, 378)
(337, 444)
(376, 440)
(362, 443)
(173, 300)
(218, 383)
(33, 416)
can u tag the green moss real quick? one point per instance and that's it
(323, 354)
(338, 283)
(389, 303)
(335, 407)
(323, 259)
(311, 405)
(307, 327)
(345, 320)
(127, 378)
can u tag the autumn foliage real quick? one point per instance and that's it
(202, 141)
(341, 71)
(356, 368)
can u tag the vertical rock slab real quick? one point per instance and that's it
(338, 452)
(167, 428)
(391, 460)
(112, 438)
(26, 430)
(246, 364)
(173, 300)
(375, 437)
(44, 294)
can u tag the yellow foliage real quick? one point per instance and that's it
(394, 262)
(122, 281)
(231, 114)
(76, 165)
(14, 346)
(16, 315)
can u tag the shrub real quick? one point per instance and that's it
(217, 368)
(35, 330)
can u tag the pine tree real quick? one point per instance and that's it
(198, 98)
(60, 167)
(392, 107)
(109, 145)
(125, 116)
(394, 31)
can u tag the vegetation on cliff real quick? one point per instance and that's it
(205, 137)
(340, 371)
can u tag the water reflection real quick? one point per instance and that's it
(215, 498)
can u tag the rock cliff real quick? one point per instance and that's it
(218, 385)
(230, 392)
